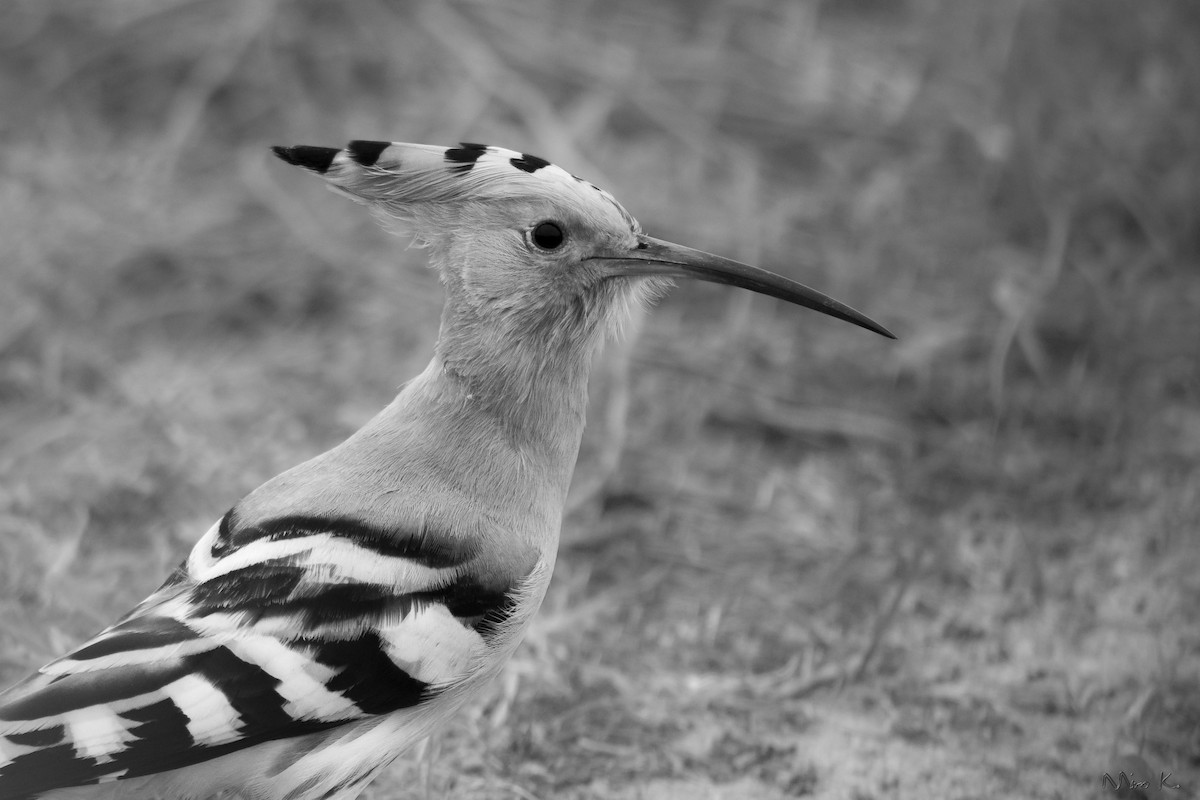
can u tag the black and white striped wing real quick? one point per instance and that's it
(273, 632)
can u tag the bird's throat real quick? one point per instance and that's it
(528, 372)
(536, 396)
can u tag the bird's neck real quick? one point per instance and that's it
(484, 439)
(528, 377)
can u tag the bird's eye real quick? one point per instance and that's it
(547, 235)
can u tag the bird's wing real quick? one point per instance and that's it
(264, 633)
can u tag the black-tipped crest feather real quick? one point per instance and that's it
(317, 159)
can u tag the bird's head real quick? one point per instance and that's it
(525, 246)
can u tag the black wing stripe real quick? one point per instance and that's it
(345, 602)
(80, 690)
(30, 774)
(250, 690)
(46, 737)
(151, 760)
(143, 634)
(467, 598)
(162, 727)
(269, 583)
(367, 676)
(491, 620)
(435, 552)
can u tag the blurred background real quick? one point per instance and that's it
(801, 560)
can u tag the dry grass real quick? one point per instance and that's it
(802, 561)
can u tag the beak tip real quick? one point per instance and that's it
(847, 314)
(872, 326)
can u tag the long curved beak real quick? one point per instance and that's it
(656, 257)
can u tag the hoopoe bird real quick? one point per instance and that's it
(340, 612)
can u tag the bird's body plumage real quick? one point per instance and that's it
(341, 611)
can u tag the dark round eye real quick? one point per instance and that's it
(547, 235)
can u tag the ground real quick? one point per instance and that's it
(801, 560)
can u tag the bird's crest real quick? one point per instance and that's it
(400, 175)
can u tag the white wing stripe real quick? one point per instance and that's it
(11, 750)
(211, 718)
(433, 646)
(97, 732)
(332, 558)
